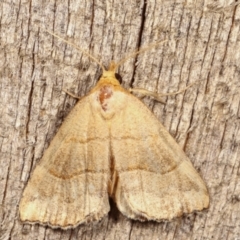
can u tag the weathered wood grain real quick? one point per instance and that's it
(205, 120)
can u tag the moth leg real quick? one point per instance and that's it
(71, 94)
(157, 96)
(143, 92)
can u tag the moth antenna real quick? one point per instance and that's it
(79, 49)
(136, 52)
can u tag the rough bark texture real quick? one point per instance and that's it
(204, 46)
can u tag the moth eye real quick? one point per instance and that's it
(118, 77)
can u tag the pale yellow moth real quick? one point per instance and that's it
(111, 145)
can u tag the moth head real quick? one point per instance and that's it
(110, 75)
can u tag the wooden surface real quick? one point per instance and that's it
(204, 43)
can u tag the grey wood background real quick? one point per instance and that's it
(204, 46)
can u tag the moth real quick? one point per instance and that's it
(111, 145)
